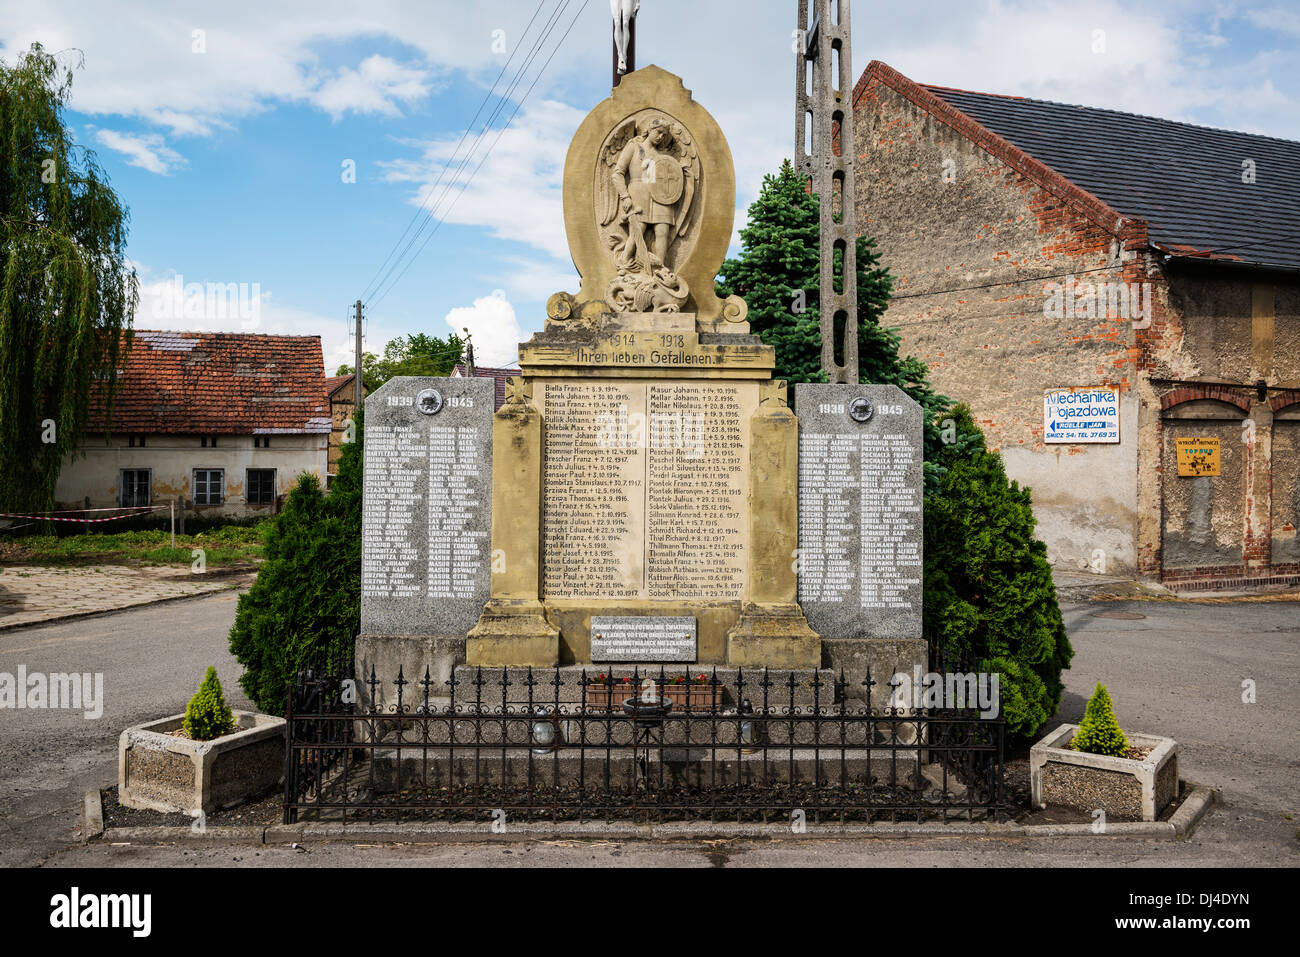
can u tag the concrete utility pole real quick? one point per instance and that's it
(360, 388)
(823, 116)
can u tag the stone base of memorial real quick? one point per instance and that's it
(773, 637)
(1125, 788)
(414, 657)
(159, 770)
(876, 660)
(513, 633)
(726, 765)
(781, 691)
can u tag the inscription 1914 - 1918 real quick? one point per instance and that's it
(645, 489)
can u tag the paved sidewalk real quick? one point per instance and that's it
(34, 594)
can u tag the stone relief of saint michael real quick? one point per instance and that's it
(650, 171)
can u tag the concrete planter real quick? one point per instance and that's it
(1125, 788)
(160, 771)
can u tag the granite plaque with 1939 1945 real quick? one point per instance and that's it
(426, 547)
(861, 488)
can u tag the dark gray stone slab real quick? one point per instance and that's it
(861, 487)
(643, 638)
(426, 550)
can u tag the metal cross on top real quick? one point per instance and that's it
(823, 119)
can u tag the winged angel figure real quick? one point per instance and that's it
(649, 178)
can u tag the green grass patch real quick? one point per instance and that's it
(229, 545)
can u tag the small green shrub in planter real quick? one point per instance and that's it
(207, 716)
(1099, 731)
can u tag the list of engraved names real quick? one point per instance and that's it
(645, 489)
(834, 469)
(399, 520)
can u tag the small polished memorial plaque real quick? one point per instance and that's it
(643, 638)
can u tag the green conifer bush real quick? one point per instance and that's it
(207, 716)
(1099, 731)
(989, 594)
(306, 602)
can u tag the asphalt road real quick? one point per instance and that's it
(152, 659)
(1178, 671)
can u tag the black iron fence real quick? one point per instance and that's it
(573, 745)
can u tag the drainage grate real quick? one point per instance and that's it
(1120, 615)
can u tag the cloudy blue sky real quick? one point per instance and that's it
(228, 127)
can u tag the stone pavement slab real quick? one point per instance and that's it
(34, 594)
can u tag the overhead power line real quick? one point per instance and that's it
(370, 285)
(500, 132)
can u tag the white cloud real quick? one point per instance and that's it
(145, 150)
(516, 193)
(373, 88)
(492, 324)
(533, 280)
(142, 59)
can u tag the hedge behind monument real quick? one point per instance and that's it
(989, 595)
(306, 603)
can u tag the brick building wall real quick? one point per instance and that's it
(976, 234)
(948, 213)
(342, 399)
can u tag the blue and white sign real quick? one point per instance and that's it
(1084, 414)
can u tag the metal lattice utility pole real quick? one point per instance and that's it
(823, 115)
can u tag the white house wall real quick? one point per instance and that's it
(172, 458)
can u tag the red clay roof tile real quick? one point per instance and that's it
(218, 383)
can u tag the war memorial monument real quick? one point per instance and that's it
(649, 495)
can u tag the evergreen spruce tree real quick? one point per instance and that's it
(989, 596)
(778, 274)
(207, 716)
(306, 603)
(1099, 731)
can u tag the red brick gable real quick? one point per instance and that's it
(218, 383)
(1105, 216)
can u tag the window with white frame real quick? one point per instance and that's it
(209, 486)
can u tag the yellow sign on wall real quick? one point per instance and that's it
(1197, 456)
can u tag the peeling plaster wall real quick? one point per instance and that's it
(172, 458)
(1215, 322)
(1286, 486)
(1203, 516)
(995, 348)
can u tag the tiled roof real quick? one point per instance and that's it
(487, 372)
(1185, 181)
(335, 382)
(219, 383)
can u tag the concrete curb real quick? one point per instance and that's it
(1184, 821)
(1194, 808)
(92, 815)
(59, 619)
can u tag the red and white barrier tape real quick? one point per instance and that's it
(128, 513)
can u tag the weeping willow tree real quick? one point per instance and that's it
(67, 293)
